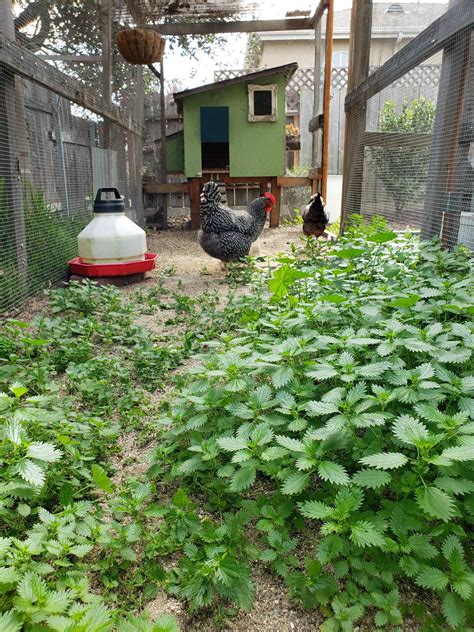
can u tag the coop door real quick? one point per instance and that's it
(215, 138)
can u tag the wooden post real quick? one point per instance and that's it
(164, 196)
(327, 95)
(461, 176)
(316, 144)
(106, 34)
(452, 84)
(359, 56)
(14, 164)
(275, 212)
(195, 195)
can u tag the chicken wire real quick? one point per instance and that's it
(54, 154)
(412, 160)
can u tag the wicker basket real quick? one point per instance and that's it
(140, 46)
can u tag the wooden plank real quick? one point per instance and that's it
(359, 55)
(27, 65)
(318, 14)
(294, 181)
(395, 139)
(238, 26)
(275, 212)
(456, 21)
(168, 187)
(164, 201)
(14, 157)
(83, 59)
(327, 96)
(195, 195)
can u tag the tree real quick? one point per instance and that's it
(403, 170)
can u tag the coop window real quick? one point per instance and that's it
(263, 103)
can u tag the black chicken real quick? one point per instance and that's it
(228, 234)
(315, 218)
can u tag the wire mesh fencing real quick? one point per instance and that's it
(66, 130)
(410, 128)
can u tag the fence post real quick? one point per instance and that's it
(452, 84)
(359, 55)
(14, 138)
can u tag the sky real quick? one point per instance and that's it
(191, 73)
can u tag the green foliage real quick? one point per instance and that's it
(347, 395)
(403, 171)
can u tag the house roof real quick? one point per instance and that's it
(287, 71)
(387, 21)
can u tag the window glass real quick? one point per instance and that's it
(262, 102)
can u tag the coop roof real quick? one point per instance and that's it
(287, 71)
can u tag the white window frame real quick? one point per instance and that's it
(340, 55)
(252, 89)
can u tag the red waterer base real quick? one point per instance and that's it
(112, 269)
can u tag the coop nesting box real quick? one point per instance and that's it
(140, 46)
(235, 126)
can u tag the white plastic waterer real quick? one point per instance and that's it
(111, 237)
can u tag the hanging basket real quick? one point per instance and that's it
(140, 46)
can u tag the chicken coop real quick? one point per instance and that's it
(233, 130)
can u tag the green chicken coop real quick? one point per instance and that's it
(234, 131)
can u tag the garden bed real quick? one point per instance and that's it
(279, 450)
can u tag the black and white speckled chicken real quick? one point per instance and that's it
(228, 234)
(315, 218)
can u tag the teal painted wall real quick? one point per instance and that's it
(256, 149)
(175, 153)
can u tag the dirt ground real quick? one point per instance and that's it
(194, 268)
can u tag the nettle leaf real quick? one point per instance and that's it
(100, 479)
(321, 408)
(333, 472)
(290, 444)
(44, 452)
(432, 578)
(322, 372)
(349, 253)
(273, 453)
(232, 444)
(31, 472)
(315, 509)
(364, 534)
(13, 431)
(435, 502)
(243, 478)
(382, 237)
(295, 483)
(459, 453)
(10, 621)
(405, 302)
(453, 610)
(454, 485)
(371, 478)
(409, 430)
(238, 409)
(385, 460)
(282, 376)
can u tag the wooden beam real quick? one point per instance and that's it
(195, 194)
(318, 14)
(396, 139)
(83, 59)
(15, 149)
(25, 64)
(456, 21)
(327, 95)
(251, 26)
(163, 169)
(106, 35)
(452, 86)
(359, 55)
(166, 187)
(316, 134)
(276, 209)
(294, 181)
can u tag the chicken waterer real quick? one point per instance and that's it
(111, 245)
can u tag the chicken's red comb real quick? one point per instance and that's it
(271, 197)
